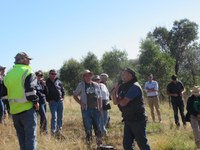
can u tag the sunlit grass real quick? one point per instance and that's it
(161, 136)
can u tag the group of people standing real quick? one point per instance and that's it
(93, 97)
(28, 92)
(175, 91)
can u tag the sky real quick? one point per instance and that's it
(54, 31)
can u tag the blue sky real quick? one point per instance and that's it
(53, 31)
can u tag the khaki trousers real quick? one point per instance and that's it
(195, 124)
(153, 101)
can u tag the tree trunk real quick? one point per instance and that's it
(176, 67)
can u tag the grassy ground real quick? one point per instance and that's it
(161, 136)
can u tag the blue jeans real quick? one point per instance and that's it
(43, 118)
(104, 121)
(135, 131)
(91, 118)
(25, 126)
(56, 108)
(1, 111)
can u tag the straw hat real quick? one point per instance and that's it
(86, 72)
(195, 90)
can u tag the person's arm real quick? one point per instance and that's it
(3, 93)
(30, 92)
(169, 92)
(62, 90)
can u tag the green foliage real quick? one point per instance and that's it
(113, 61)
(70, 74)
(177, 40)
(92, 63)
(152, 60)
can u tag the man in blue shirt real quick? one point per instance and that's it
(151, 88)
(129, 98)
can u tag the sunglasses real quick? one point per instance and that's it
(53, 74)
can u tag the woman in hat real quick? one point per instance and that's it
(193, 108)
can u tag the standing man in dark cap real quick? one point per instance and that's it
(175, 90)
(129, 98)
(19, 88)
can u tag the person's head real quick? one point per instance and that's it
(150, 77)
(52, 74)
(195, 91)
(22, 58)
(174, 78)
(39, 74)
(96, 78)
(2, 70)
(87, 76)
(104, 77)
(128, 74)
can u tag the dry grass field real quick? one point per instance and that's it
(161, 136)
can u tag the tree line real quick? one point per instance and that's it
(163, 52)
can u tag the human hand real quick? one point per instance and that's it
(83, 106)
(37, 106)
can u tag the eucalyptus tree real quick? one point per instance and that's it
(70, 74)
(176, 40)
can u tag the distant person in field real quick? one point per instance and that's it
(193, 108)
(175, 90)
(55, 98)
(88, 95)
(19, 87)
(2, 74)
(129, 98)
(6, 106)
(151, 88)
(41, 91)
(105, 99)
(105, 104)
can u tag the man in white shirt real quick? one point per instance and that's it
(151, 87)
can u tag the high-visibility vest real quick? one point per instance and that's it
(14, 82)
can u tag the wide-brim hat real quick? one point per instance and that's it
(195, 90)
(86, 71)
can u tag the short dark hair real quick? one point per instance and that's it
(52, 70)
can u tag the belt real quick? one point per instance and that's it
(152, 96)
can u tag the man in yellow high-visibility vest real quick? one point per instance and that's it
(19, 88)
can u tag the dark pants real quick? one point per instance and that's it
(135, 131)
(1, 111)
(178, 104)
(6, 106)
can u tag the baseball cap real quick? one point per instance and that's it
(21, 55)
(173, 77)
(96, 77)
(2, 67)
